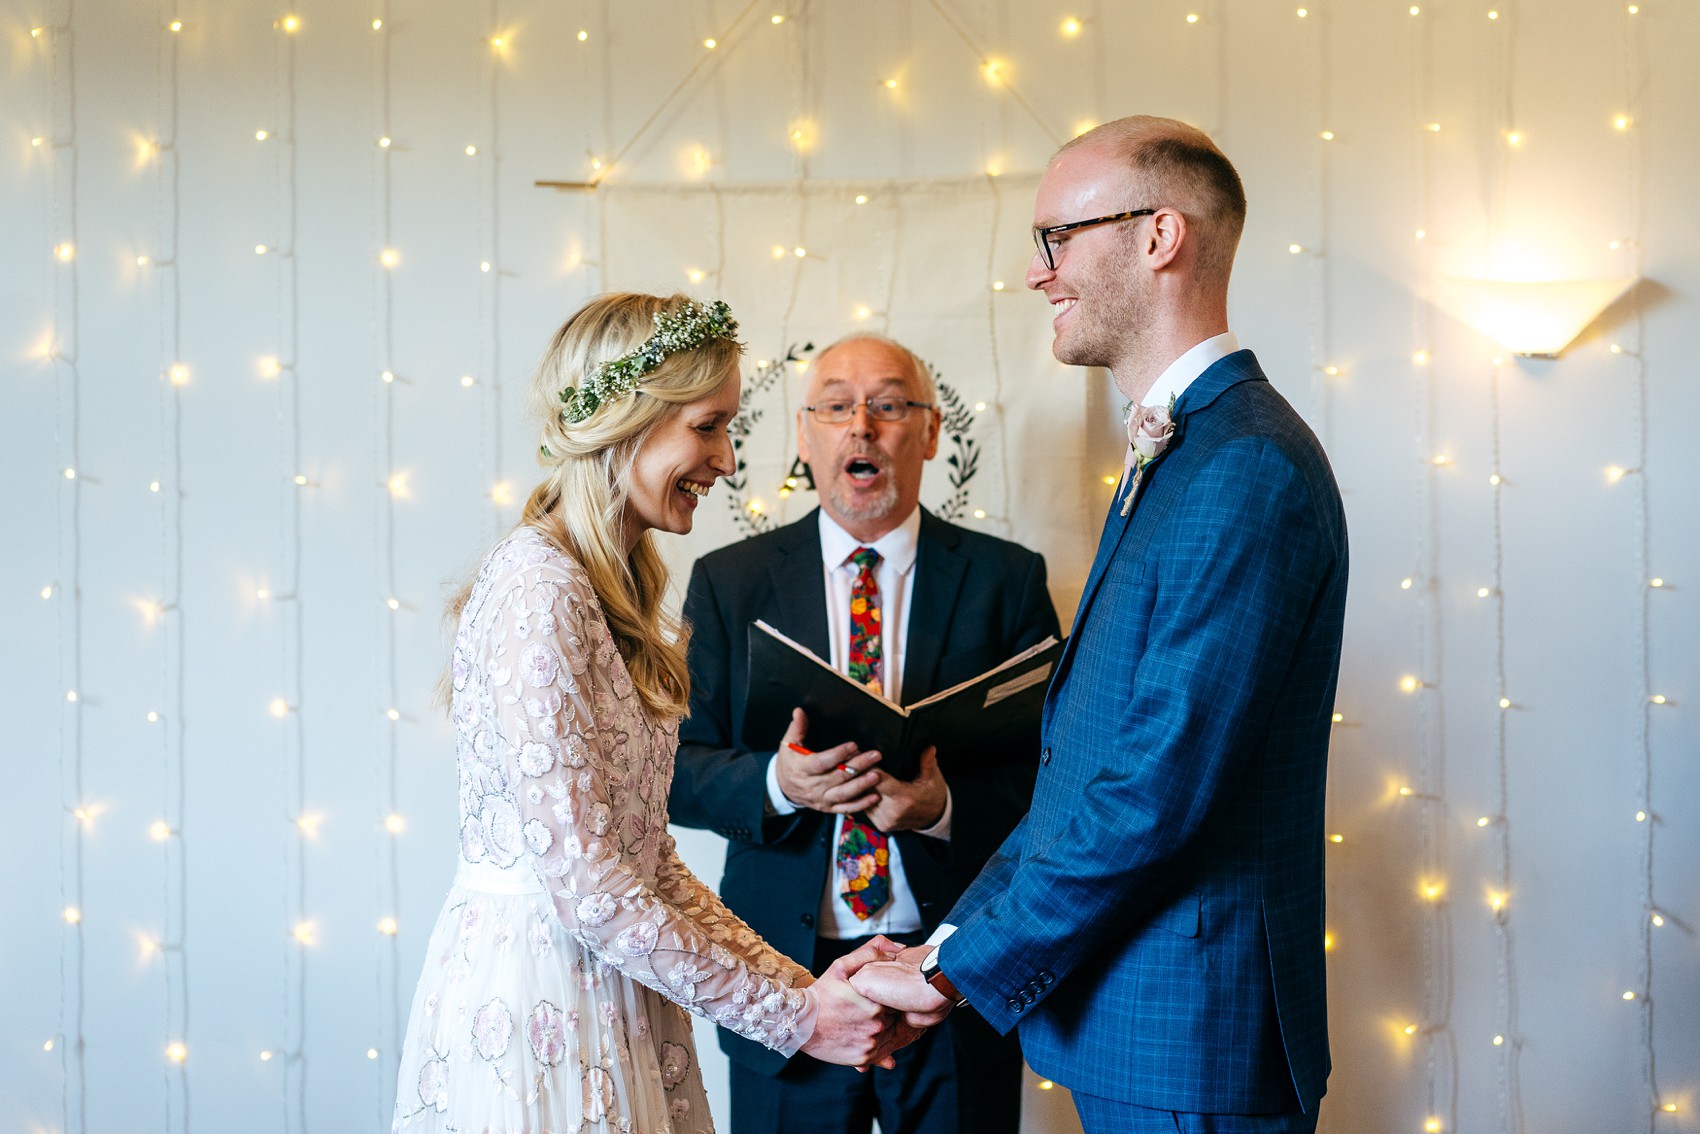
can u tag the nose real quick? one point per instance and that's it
(1038, 275)
(861, 423)
(723, 460)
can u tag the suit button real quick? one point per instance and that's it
(825, 838)
(1026, 996)
(1045, 756)
(1045, 979)
(1014, 1005)
(808, 921)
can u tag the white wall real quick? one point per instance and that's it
(1570, 633)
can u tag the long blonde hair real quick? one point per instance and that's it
(580, 505)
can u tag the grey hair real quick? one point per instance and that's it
(923, 372)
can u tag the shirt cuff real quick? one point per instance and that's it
(941, 829)
(777, 804)
(944, 930)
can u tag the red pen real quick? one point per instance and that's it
(801, 751)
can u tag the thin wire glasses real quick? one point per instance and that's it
(1048, 250)
(879, 409)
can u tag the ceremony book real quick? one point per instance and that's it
(963, 720)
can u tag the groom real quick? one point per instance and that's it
(1155, 924)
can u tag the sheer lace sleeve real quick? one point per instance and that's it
(563, 714)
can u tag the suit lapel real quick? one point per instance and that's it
(1206, 388)
(799, 586)
(939, 570)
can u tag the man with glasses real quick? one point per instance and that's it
(1155, 925)
(825, 850)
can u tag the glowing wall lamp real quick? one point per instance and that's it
(1535, 319)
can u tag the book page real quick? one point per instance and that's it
(824, 664)
(1038, 648)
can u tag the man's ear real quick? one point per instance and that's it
(802, 437)
(935, 421)
(1168, 233)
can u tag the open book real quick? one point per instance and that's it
(964, 720)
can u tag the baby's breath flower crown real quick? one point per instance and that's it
(691, 326)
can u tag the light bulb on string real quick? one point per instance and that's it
(1071, 27)
(377, 25)
(394, 823)
(583, 35)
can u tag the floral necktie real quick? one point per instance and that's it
(864, 872)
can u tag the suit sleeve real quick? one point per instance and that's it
(1242, 566)
(717, 784)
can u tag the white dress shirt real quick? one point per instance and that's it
(895, 577)
(1183, 371)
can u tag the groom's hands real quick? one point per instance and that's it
(851, 1029)
(898, 984)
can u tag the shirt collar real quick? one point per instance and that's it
(1183, 371)
(897, 547)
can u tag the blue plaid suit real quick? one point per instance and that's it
(1155, 924)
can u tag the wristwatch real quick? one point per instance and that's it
(933, 975)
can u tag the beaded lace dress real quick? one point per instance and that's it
(559, 974)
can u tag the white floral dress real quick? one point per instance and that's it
(557, 976)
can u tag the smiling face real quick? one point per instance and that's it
(1099, 298)
(678, 463)
(868, 472)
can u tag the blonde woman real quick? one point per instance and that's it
(558, 975)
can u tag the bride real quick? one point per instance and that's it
(574, 944)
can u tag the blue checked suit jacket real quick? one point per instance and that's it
(1154, 925)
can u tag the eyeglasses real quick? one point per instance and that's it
(879, 409)
(1048, 250)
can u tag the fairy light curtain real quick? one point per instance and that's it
(280, 274)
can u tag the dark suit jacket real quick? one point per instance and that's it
(976, 601)
(1155, 924)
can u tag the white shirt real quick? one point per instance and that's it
(1185, 370)
(895, 577)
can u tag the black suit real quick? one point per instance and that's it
(976, 600)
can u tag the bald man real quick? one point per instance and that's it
(1154, 926)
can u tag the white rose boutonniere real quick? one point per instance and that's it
(1149, 431)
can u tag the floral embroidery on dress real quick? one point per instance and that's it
(578, 926)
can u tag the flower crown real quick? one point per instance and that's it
(691, 326)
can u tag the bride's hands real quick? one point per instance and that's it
(850, 1029)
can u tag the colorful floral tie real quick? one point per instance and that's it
(864, 871)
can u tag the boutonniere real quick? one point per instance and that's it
(1149, 431)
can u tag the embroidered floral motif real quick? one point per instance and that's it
(545, 1028)
(492, 1027)
(675, 1062)
(434, 1084)
(563, 777)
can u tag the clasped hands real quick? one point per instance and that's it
(846, 781)
(871, 1002)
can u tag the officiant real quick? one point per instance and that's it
(826, 849)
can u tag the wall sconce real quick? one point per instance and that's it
(1534, 319)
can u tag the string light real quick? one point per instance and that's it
(1070, 27)
(176, 25)
(261, 135)
(176, 1052)
(389, 257)
(291, 24)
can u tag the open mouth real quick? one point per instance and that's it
(861, 470)
(1062, 307)
(693, 489)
